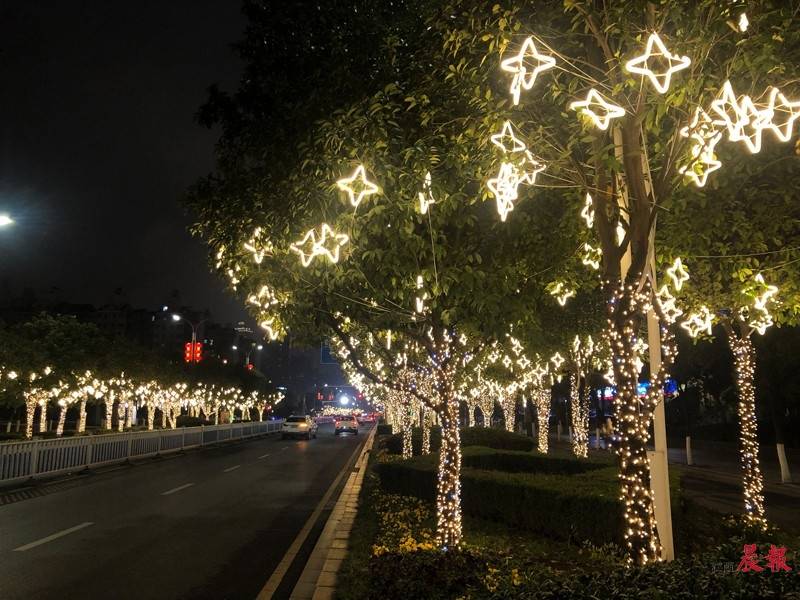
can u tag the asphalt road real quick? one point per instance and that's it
(208, 524)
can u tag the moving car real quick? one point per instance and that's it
(299, 426)
(346, 425)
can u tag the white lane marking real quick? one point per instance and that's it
(229, 469)
(55, 536)
(285, 448)
(263, 456)
(177, 489)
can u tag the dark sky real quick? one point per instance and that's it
(98, 141)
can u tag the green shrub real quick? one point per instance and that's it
(579, 506)
(384, 429)
(476, 457)
(187, 421)
(499, 439)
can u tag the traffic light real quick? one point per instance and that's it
(198, 352)
(187, 352)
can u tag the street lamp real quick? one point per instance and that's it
(5, 220)
(176, 317)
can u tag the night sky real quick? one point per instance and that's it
(98, 143)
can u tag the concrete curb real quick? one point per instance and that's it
(318, 579)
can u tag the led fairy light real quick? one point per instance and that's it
(419, 301)
(744, 121)
(504, 187)
(525, 66)
(743, 23)
(700, 167)
(729, 114)
(655, 48)
(507, 141)
(699, 322)
(744, 359)
(426, 195)
(782, 114)
(592, 256)
(530, 167)
(357, 186)
(668, 307)
(557, 360)
(588, 211)
(678, 274)
(561, 292)
(598, 109)
(328, 244)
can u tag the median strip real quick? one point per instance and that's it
(177, 489)
(229, 469)
(55, 536)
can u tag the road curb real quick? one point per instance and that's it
(318, 579)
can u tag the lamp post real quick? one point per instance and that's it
(253, 346)
(176, 318)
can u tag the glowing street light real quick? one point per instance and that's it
(5, 220)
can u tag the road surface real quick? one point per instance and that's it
(208, 524)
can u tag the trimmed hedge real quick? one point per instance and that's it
(384, 429)
(579, 506)
(477, 457)
(499, 439)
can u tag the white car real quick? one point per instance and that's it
(346, 425)
(299, 427)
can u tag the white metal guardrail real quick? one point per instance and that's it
(42, 458)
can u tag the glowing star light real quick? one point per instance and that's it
(506, 136)
(780, 105)
(531, 167)
(588, 211)
(306, 248)
(526, 66)
(357, 186)
(330, 243)
(668, 307)
(598, 109)
(426, 195)
(700, 167)
(698, 322)
(504, 187)
(592, 256)
(678, 273)
(557, 360)
(656, 49)
(561, 293)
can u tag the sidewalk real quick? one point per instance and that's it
(318, 579)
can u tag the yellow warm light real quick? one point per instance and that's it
(426, 195)
(362, 188)
(525, 66)
(603, 113)
(561, 293)
(504, 187)
(592, 256)
(506, 136)
(698, 322)
(744, 22)
(305, 248)
(656, 49)
(779, 104)
(668, 306)
(678, 274)
(588, 211)
(328, 244)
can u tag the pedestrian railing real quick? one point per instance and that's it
(42, 458)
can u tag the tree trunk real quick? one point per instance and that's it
(82, 415)
(426, 431)
(744, 359)
(62, 418)
(408, 427)
(107, 407)
(541, 397)
(448, 490)
(508, 403)
(163, 417)
(30, 411)
(579, 416)
(120, 415)
(42, 416)
(151, 415)
(632, 421)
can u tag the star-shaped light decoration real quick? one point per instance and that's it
(504, 187)
(330, 243)
(530, 167)
(598, 109)
(268, 324)
(588, 211)
(678, 273)
(557, 360)
(265, 297)
(525, 66)
(668, 306)
(780, 115)
(769, 293)
(426, 195)
(259, 245)
(760, 320)
(701, 166)
(306, 248)
(561, 292)
(523, 362)
(698, 322)
(507, 141)
(657, 51)
(592, 256)
(702, 130)
(357, 186)
(752, 125)
(729, 113)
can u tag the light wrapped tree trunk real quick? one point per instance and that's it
(82, 415)
(108, 405)
(408, 425)
(426, 431)
(43, 415)
(30, 411)
(744, 358)
(62, 417)
(120, 415)
(579, 418)
(163, 417)
(151, 414)
(448, 489)
(541, 399)
(508, 403)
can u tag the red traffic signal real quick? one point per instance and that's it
(198, 352)
(187, 352)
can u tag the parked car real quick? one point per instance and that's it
(299, 426)
(346, 425)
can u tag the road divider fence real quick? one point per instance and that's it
(20, 461)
